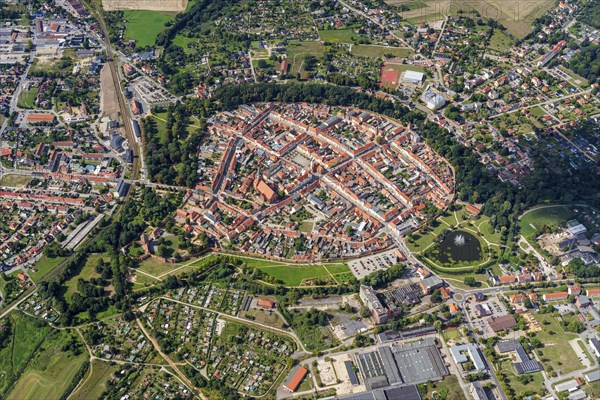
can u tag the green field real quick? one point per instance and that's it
(44, 266)
(27, 334)
(183, 42)
(95, 383)
(292, 275)
(446, 389)
(14, 180)
(365, 50)
(500, 42)
(557, 352)
(50, 371)
(87, 272)
(297, 51)
(337, 35)
(532, 222)
(27, 98)
(144, 26)
(156, 267)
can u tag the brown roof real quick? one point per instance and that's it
(40, 117)
(502, 323)
(265, 303)
(293, 383)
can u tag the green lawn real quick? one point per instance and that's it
(183, 41)
(500, 42)
(297, 51)
(337, 35)
(156, 267)
(27, 334)
(452, 334)
(87, 272)
(44, 266)
(365, 50)
(144, 26)
(293, 275)
(446, 389)
(531, 223)
(557, 352)
(50, 372)
(27, 98)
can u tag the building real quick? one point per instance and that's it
(432, 100)
(593, 292)
(592, 376)
(503, 323)
(568, 386)
(595, 345)
(556, 296)
(523, 365)
(477, 391)
(122, 189)
(413, 77)
(582, 301)
(430, 283)
(295, 379)
(575, 228)
(40, 118)
(265, 303)
(483, 310)
(459, 353)
(371, 301)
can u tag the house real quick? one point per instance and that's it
(504, 280)
(265, 303)
(556, 296)
(478, 296)
(582, 301)
(595, 345)
(453, 308)
(293, 382)
(593, 292)
(430, 283)
(518, 298)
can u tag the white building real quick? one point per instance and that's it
(432, 100)
(413, 77)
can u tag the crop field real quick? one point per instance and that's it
(365, 50)
(144, 26)
(517, 16)
(50, 371)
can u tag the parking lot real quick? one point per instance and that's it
(377, 262)
(496, 308)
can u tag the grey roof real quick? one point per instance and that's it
(403, 393)
(351, 373)
(527, 367)
(508, 345)
(432, 281)
(389, 364)
(473, 353)
(593, 376)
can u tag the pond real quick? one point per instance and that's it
(459, 246)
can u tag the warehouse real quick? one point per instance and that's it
(413, 77)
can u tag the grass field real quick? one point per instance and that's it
(44, 266)
(96, 382)
(297, 52)
(87, 272)
(365, 50)
(156, 267)
(337, 35)
(557, 352)
(14, 180)
(23, 342)
(532, 222)
(27, 98)
(536, 385)
(293, 276)
(500, 42)
(50, 371)
(144, 26)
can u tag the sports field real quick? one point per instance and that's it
(144, 26)
(392, 73)
(337, 35)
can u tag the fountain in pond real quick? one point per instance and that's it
(459, 240)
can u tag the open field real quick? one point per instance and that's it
(557, 352)
(534, 221)
(96, 382)
(24, 340)
(50, 371)
(27, 98)
(337, 35)
(144, 26)
(297, 52)
(535, 385)
(516, 16)
(152, 5)
(365, 50)
(14, 180)
(44, 266)
(87, 272)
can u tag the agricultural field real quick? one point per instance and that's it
(51, 370)
(517, 16)
(365, 50)
(144, 26)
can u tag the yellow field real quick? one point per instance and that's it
(151, 5)
(516, 15)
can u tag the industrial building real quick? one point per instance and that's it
(413, 77)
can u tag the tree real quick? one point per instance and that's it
(470, 281)
(364, 312)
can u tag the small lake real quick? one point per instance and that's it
(459, 246)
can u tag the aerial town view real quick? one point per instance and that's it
(300, 199)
